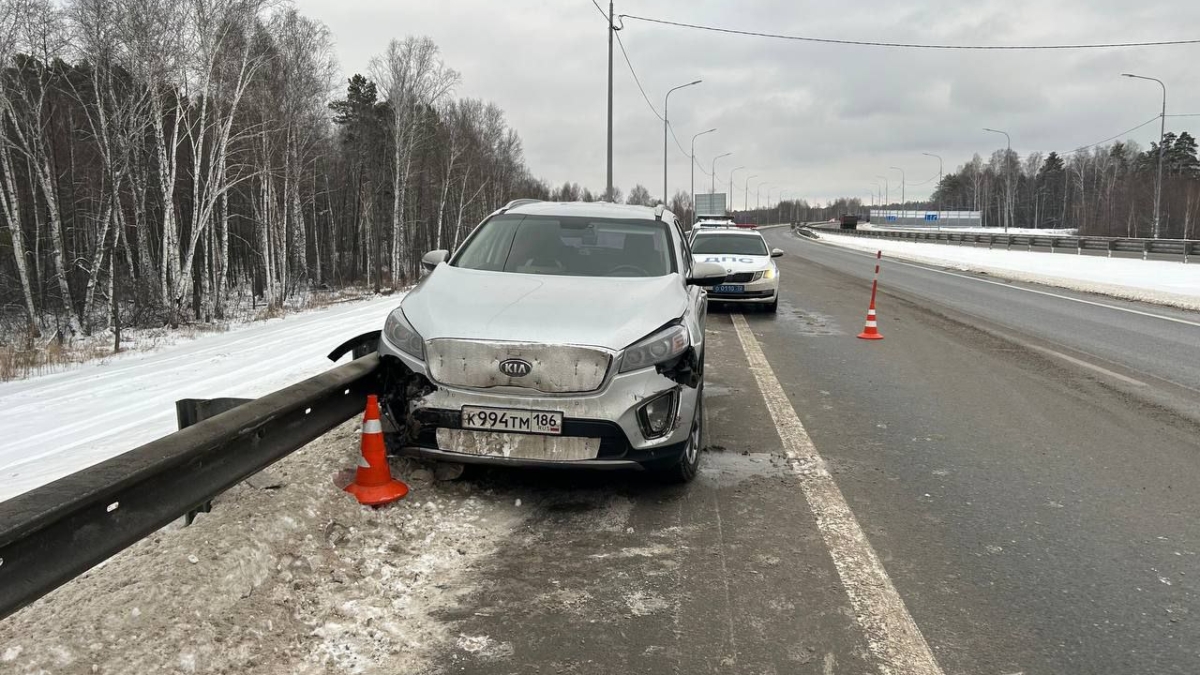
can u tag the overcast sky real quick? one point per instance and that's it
(819, 120)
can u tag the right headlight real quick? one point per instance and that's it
(662, 346)
(400, 333)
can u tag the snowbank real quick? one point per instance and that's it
(1062, 232)
(54, 425)
(287, 574)
(1156, 281)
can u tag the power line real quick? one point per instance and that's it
(1111, 138)
(635, 77)
(601, 10)
(904, 45)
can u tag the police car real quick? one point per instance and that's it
(751, 275)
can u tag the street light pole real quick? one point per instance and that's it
(666, 128)
(713, 175)
(938, 188)
(886, 189)
(1007, 178)
(746, 194)
(693, 158)
(731, 171)
(1162, 132)
(779, 204)
(903, 199)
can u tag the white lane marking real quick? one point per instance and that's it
(1084, 364)
(890, 631)
(1022, 288)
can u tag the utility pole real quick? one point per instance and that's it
(887, 190)
(1162, 132)
(1007, 178)
(666, 129)
(609, 190)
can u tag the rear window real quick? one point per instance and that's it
(594, 247)
(738, 244)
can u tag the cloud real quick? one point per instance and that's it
(821, 120)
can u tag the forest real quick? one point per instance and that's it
(1101, 191)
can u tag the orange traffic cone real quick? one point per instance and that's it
(871, 331)
(373, 483)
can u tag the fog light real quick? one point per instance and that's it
(656, 414)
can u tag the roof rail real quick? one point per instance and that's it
(518, 202)
(658, 211)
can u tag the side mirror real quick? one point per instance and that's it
(707, 274)
(776, 253)
(434, 258)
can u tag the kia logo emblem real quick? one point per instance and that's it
(515, 367)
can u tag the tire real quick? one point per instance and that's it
(771, 307)
(684, 469)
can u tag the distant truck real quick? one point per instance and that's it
(849, 222)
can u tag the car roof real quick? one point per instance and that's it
(585, 210)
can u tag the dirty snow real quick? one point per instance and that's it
(296, 579)
(54, 425)
(1157, 281)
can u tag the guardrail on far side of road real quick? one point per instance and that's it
(1184, 248)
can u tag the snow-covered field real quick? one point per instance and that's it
(56, 424)
(1161, 282)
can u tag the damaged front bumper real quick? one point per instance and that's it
(604, 429)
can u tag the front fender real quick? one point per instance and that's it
(359, 346)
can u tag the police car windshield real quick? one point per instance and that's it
(737, 244)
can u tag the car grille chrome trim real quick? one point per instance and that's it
(555, 368)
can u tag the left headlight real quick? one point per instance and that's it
(662, 346)
(400, 333)
(768, 273)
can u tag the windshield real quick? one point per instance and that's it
(738, 244)
(567, 246)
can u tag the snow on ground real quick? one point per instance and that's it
(56, 424)
(1063, 232)
(1156, 281)
(287, 574)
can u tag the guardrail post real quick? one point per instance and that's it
(1053, 241)
(1146, 249)
(1110, 246)
(191, 411)
(1187, 247)
(1078, 245)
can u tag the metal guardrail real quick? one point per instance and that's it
(56, 532)
(1179, 247)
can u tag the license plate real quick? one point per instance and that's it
(507, 419)
(729, 289)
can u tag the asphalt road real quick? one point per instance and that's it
(1017, 469)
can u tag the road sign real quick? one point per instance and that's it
(710, 204)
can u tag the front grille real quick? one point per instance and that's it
(740, 278)
(556, 369)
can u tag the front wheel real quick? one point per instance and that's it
(685, 470)
(772, 306)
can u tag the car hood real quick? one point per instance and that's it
(736, 263)
(609, 312)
